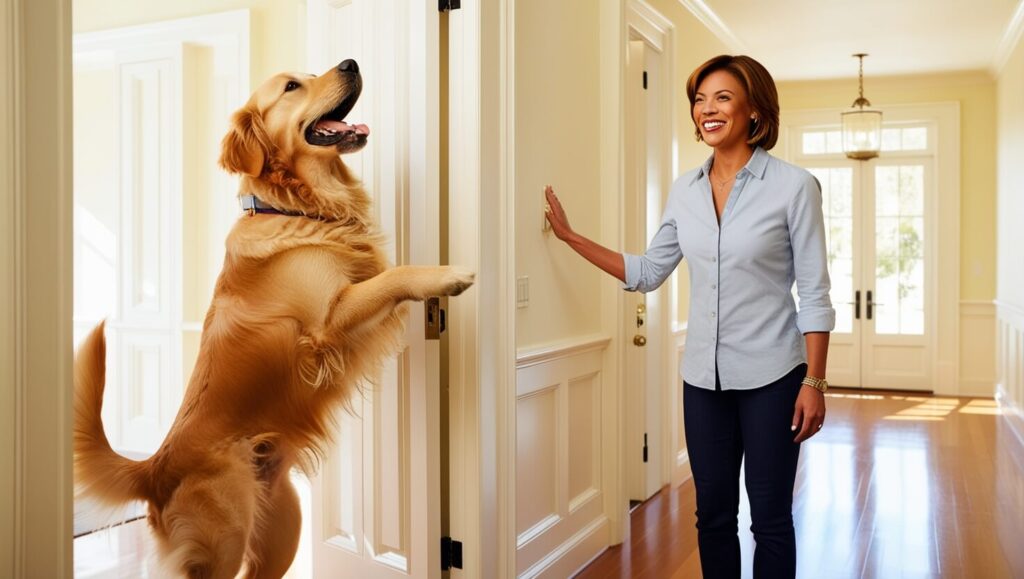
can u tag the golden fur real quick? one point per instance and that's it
(304, 309)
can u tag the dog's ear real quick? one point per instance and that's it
(246, 147)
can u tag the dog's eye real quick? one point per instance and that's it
(292, 85)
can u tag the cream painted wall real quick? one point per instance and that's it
(277, 39)
(94, 112)
(1010, 199)
(96, 197)
(976, 93)
(557, 140)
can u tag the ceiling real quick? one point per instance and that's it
(813, 39)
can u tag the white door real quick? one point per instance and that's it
(879, 215)
(376, 510)
(644, 338)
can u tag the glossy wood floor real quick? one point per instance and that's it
(895, 485)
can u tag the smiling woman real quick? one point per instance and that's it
(750, 226)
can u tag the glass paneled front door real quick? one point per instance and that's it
(877, 223)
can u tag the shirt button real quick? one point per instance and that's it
(714, 259)
(712, 314)
(713, 286)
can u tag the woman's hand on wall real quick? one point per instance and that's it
(556, 215)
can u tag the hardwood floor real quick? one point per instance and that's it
(896, 485)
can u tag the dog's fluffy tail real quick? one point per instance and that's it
(100, 473)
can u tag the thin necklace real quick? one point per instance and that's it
(721, 183)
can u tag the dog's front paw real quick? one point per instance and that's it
(457, 280)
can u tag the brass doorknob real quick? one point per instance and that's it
(639, 340)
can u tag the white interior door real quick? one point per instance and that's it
(376, 510)
(645, 338)
(879, 217)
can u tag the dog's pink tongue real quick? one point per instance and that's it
(342, 127)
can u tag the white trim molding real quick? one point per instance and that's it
(35, 289)
(527, 357)
(712, 22)
(1011, 36)
(482, 341)
(10, 55)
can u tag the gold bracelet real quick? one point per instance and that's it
(819, 384)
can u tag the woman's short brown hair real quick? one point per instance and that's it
(761, 93)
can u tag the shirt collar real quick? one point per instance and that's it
(755, 166)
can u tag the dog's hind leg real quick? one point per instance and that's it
(367, 302)
(272, 547)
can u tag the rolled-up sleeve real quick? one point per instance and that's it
(646, 272)
(810, 259)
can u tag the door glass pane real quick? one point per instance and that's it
(837, 206)
(899, 250)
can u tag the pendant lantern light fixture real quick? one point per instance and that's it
(862, 125)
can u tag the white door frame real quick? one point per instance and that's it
(482, 320)
(482, 233)
(35, 289)
(646, 24)
(945, 276)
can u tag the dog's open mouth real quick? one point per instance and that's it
(331, 129)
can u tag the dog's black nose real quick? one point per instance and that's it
(348, 65)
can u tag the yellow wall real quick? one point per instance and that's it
(558, 131)
(277, 33)
(1010, 202)
(557, 142)
(976, 93)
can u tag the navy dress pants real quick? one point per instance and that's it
(722, 429)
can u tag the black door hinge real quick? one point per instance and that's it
(451, 554)
(448, 5)
(645, 447)
(645, 80)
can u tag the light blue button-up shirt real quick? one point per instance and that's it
(743, 318)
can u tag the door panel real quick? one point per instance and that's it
(843, 232)
(896, 326)
(375, 511)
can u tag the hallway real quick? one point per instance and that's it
(896, 485)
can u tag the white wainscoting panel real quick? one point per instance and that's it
(977, 348)
(1010, 364)
(678, 456)
(560, 518)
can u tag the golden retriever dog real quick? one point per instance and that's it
(305, 309)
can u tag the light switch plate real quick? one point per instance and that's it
(522, 291)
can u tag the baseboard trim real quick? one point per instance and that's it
(1011, 413)
(561, 555)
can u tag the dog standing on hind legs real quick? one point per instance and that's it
(305, 308)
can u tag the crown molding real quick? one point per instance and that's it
(1011, 36)
(709, 19)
